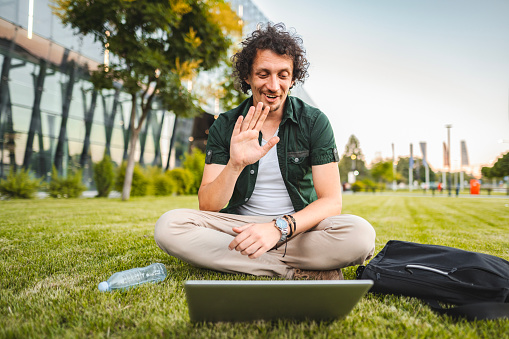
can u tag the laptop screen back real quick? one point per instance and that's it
(225, 300)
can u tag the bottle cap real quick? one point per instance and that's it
(103, 286)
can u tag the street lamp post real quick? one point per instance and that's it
(449, 156)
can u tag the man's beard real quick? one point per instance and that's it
(275, 108)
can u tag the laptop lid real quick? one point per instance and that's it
(234, 300)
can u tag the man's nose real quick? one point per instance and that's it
(273, 83)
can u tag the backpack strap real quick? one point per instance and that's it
(477, 311)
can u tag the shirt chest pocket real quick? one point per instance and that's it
(299, 157)
(298, 165)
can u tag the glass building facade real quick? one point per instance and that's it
(50, 115)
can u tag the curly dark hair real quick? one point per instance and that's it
(277, 39)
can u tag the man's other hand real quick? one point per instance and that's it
(255, 239)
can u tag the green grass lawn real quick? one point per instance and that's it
(53, 254)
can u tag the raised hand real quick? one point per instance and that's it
(245, 148)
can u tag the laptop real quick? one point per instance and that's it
(236, 300)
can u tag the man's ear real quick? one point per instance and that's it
(247, 81)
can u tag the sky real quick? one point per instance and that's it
(398, 71)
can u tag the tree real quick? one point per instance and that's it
(352, 159)
(229, 96)
(499, 170)
(486, 172)
(154, 46)
(402, 168)
(104, 176)
(382, 171)
(501, 167)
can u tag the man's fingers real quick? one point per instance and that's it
(247, 119)
(262, 118)
(236, 128)
(239, 238)
(271, 143)
(258, 253)
(241, 228)
(241, 243)
(257, 114)
(251, 250)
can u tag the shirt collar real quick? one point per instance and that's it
(288, 112)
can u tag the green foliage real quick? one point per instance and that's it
(151, 173)
(382, 171)
(140, 183)
(499, 170)
(195, 162)
(69, 187)
(369, 185)
(157, 42)
(183, 179)
(486, 172)
(230, 96)
(104, 176)
(357, 186)
(160, 183)
(19, 185)
(163, 185)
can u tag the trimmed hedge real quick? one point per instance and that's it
(19, 185)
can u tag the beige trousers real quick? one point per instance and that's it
(201, 239)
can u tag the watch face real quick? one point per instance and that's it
(282, 224)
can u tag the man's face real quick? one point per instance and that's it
(271, 79)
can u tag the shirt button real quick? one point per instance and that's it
(296, 159)
(252, 171)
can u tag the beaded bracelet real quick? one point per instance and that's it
(291, 222)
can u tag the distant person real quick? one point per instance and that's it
(273, 163)
(433, 188)
(440, 187)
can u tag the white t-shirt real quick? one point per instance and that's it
(270, 196)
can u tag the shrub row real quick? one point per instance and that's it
(21, 185)
(146, 181)
(154, 181)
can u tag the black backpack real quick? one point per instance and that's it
(478, 282)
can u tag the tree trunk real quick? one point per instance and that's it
(135, 134)
(129, 170)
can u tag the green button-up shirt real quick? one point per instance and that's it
(306, 139)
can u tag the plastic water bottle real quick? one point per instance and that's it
(133, 277)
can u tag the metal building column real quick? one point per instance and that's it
(157, 128)
(109, 119)
(143, 137)
(59, 154)
(4, 95)
(35, 121)
(127, 133)
(172, 141)
(10, 134)
(89, 118)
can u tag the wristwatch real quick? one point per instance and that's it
(282, 225)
